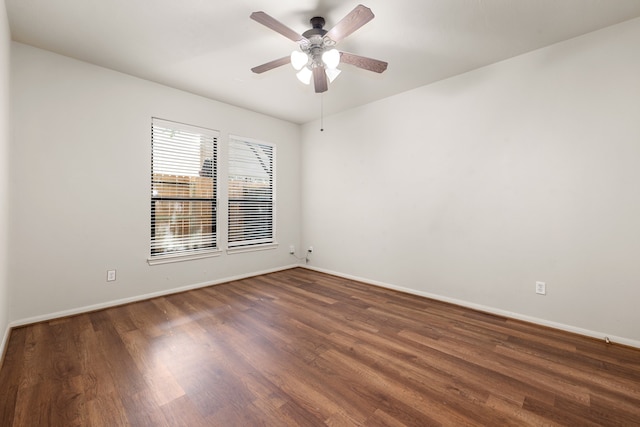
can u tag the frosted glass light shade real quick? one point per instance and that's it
(332, 73)
(331, 58)
(304, 75)
(299, 59)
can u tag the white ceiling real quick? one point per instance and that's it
(209, 47)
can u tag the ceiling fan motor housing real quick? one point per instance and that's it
(317, 27)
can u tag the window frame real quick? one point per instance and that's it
(247, 245)
(187, 254)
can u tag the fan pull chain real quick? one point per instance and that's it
(322, 113)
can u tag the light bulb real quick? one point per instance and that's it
(304, 75)
(332, 73)
(299, 59)
(331, 58)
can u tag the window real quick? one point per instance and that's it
(251, 193)
(183, 190)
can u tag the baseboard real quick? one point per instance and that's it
(3, 345)
(462, 303)
(487, 309)
(114, 303)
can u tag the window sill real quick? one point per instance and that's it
(242, 249)
(166, 259)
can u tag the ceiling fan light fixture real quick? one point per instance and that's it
(299, 59)
(317, 59)
(331, 58)
(304, 75)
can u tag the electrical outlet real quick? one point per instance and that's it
(541, 288)
(292, 249)
(111, 275)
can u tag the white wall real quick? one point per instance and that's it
(474, 188)
(81, 176)
(5, 46)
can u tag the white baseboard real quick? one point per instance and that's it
(487, 309)
(89, 308)
(3, 345)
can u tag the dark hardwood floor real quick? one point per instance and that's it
(303, 348)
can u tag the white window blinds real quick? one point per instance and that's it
(251, 193)
(183, 189)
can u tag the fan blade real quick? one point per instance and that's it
(271, 65)
(319, 79)
(276, 26)
(363, 62)
(354, 20)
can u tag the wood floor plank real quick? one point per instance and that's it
(157, 377)
(10, 378)
(104, 409)
(300, 347)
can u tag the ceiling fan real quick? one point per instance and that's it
(317, 56)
